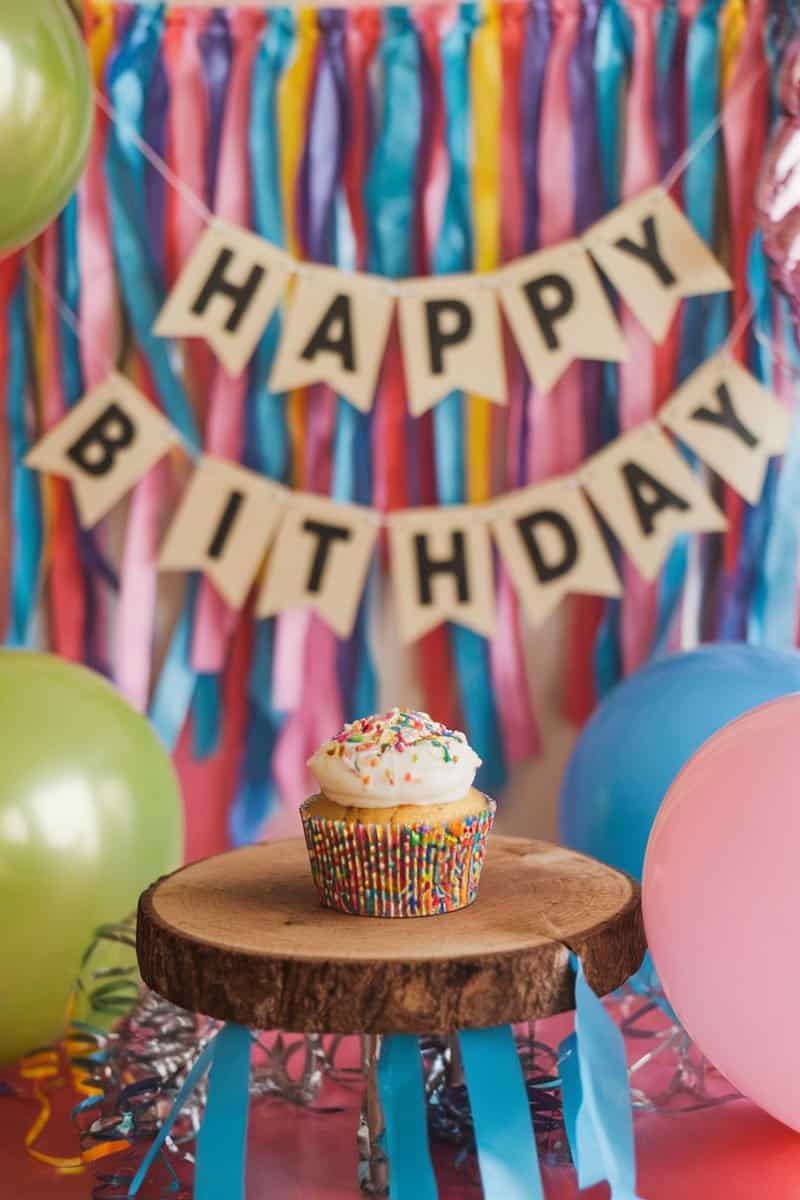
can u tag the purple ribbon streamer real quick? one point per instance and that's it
(216, 50)
(534, 62)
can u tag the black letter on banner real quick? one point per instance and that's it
(725, 416)
(548, 571)
(427, 567)
(438, 338)
(649, 252)
(322, 338)
(548, 314)
(226, 521)
(326, 535)
(240, 293)
(96, 449)
(637, 479)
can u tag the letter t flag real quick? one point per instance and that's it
(108, 441)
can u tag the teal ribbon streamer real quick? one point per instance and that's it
(612, 59)
(128, 79)
(596, 1096)
(705, 318)
(207, 714)
(189, 1084)
(26, 503)
(222, 1140)
(173, 692)
(501, 1115)
(402, 1093)
(453, 253)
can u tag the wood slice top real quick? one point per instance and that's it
(242, 937)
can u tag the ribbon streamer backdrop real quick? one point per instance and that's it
(357, 138)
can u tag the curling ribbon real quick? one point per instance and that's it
(405, 1139)
(501, 1115)
(596, 1096)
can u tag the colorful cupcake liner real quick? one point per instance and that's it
(397, 870)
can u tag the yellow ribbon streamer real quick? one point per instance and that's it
(293, 95)
(486, 83)
(733, 21)
(100, 36)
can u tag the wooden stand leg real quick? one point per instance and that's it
(373, 1167)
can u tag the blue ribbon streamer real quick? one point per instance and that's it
(402, 1093)
(207, 715)
(596, 1096)
(172, 696)
(501, 1115)
(128, 80)
(452, 253)
(222, 1140)
(26, 502)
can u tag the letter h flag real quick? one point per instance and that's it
(104, 446)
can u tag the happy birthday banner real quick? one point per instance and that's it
(318, 551)
(338, 322)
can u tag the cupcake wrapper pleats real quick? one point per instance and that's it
(384, 870)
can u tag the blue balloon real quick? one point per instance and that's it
(646, 729)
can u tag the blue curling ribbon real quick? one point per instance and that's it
(172, 696)
(596, 1096)
(501, 1115)
(405, 1140)
(189, 1084)
(26, 502)
(452, 253)
(128, 80)
(222, 1140)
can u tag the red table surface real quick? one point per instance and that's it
(732, 1151)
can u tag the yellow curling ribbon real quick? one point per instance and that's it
(733, 21)
(44, 1070)
(293, 96)
(486, 85)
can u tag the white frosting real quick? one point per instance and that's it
(396, 758)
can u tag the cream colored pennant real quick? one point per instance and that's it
(109, 440)
(558, 311)
(223, 526)
(734, 424)
(452, 339)
(320, 560)
(226, 293)
(441, 570)
(335, 333)
(552, 545)
(647, 494)
(653, 256)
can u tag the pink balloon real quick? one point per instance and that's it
(721, 896)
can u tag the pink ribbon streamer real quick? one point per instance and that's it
(637, 376)
(215, 619)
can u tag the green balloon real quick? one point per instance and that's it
(46, 115)
(90, 814)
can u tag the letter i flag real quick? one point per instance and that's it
(109, 440)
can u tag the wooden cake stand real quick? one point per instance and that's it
(242, 937)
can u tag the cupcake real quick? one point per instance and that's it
(397, 829)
